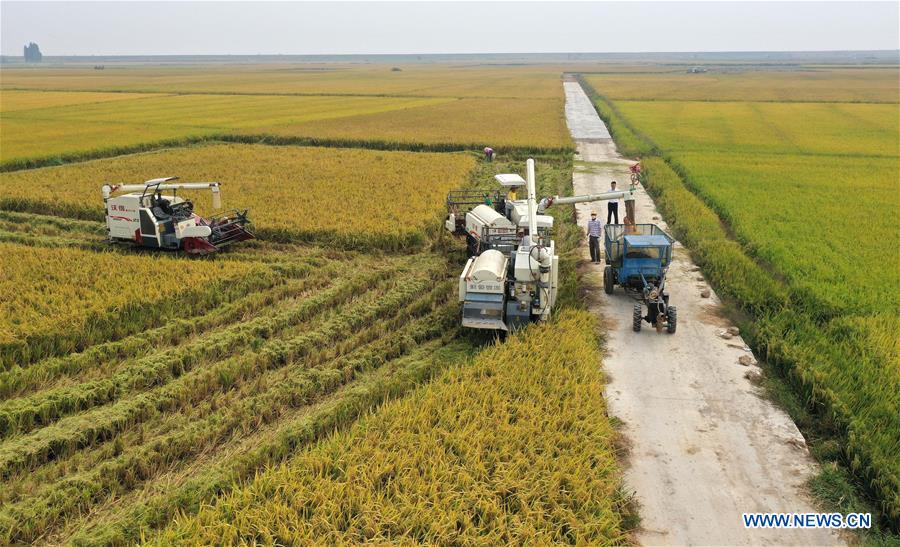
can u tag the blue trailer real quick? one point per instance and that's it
(637, 259)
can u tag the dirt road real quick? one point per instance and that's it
(704, 446)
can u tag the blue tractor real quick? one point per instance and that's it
(637, 258)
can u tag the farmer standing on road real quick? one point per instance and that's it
(612, 208)
(594, 237)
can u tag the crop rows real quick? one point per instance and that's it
(109, 430)
(209, 344)
(514, 447)
(46, 293)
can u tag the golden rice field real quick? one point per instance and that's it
(860, 84)
(318, 79)
(489, 452)
(500, 123)
(104, 443)
(85, 129)
(14, 101)
(136, 388)
(81, 131)
(811, 191)
(353, 197)
(37, 295)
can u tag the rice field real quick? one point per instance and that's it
(91, 443)
(501, 123)
(15, 101)
(828, 129)
(813, 217)
(136, 388)
(809, 190)
(458, 80)
(825, 84)
(792, 180)
(56, 291)
(338, 196)
(95, 128)
(488, 452)
(55, 134)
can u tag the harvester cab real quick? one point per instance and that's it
(144, 217)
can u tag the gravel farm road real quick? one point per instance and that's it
(704, 445)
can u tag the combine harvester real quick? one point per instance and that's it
(145, 218)
(511, 276)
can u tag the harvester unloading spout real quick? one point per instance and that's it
(532, 202)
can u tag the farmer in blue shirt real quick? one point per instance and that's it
(594, 237)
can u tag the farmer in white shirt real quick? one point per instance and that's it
(594, 237)
(612, 207)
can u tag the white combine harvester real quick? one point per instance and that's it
(512, 273)
(143, 217)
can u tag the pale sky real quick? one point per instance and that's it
(245, 28)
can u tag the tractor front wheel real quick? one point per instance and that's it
(671, 319)
(637, 319)
(608, 280)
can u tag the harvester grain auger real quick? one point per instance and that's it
(143, 217)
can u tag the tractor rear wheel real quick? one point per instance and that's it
(671, 319)
(637, 319)
(608, 280)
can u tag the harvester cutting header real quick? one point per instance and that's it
(144, 217)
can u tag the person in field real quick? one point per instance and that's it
(488, 153)
(594, 237)
(612, 207)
